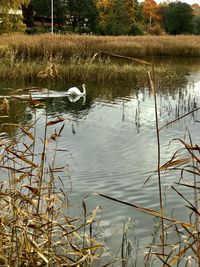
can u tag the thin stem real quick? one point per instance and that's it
(153, 88)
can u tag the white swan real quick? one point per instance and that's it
(74, 91)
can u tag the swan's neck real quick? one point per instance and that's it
(83, 89)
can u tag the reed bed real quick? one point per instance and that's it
(24, 57)
(35, 226)
(81, 70)
(66, 46)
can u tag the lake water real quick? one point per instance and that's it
(111, 146)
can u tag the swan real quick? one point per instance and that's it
(74, 91)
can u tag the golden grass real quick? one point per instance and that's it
(35, 229)
(24, 57)
(79, 69)
(85, 45)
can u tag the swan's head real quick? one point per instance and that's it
(84, 85)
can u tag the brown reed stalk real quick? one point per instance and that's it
(152, 80)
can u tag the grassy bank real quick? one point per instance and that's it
(66, 46)
(68, 57)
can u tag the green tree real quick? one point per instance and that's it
(43, 10)
(117, 16)
(162, 12)
(120, 19)
(196, 24)
(179, 18)
(10, 19)
(83, 14)
(28, 15)
(137, 12)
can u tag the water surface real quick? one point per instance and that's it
(111, 146)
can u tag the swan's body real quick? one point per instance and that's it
(74, 91)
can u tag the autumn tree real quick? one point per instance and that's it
(116, 16)
(104, 8)
(196, 19)
(196, 9)
(10, 19)
(179, 18)
(150, 11)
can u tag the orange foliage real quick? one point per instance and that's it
(150, 10)
(196, 9)
(104, 6)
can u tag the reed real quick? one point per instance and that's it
(66, 46)
(35, 229)
(29, 58)
(78, 69)
(183, 248)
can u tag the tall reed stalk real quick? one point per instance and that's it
(152, 81)
(187, 250)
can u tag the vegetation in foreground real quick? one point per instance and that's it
(35, 227)
(69, 57)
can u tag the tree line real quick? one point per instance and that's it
(103, 17)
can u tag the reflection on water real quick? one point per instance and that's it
(111, 142)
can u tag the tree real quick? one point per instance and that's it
(41, 9)
(162, 11)
(104, 8)
(150, 10)
(83, 14)
(116, 16)
(28, 15)
(10, 18)
(137, 12)
(179, 18)
(121, 18)
(196, 9)
(196, 24)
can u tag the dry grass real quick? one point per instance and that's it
(77, 69)
(35, 229)
(66, 46)
(23, 57)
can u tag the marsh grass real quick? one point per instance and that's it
(79, 69)
(84, 46)
(35, 229)
(24, 57)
